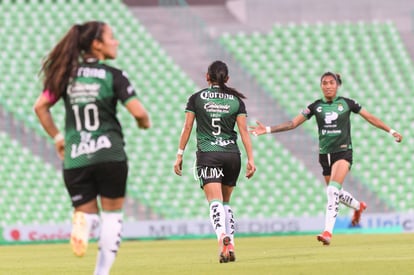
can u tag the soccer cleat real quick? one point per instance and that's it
(79, 235)
(232, 255)
(224, 247)
(325, 237)
(357, 213)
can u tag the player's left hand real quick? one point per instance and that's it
(178, 166)
(250, 169)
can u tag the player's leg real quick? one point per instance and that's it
(214, 197)
(210, 174)
(338, 173)
(345, 197)
(231, 173)
(110, 236)
(112, 186)
(230, 223)
(85, 216)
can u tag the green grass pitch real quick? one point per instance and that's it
(347, 254)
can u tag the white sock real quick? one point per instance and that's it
(93, 222)
(347, 199)
(332, 207)
(230, 222)
(218, 218)
(109, 241)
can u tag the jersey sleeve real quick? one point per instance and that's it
(308, 111)
(122, 87)
(242, 108)
(52, 98)
(191, 104)
(353, 105)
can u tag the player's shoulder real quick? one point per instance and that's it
(347, 99)
(114, 70)
(199, 93)
(316, 102)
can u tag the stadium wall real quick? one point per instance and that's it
(184, 229)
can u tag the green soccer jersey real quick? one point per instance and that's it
(216, 113)
(93, 133)
(334, 125)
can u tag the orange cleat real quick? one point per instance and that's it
(224, 248)
(357, 213)
(232, 255)
(325, 237)
(80, 235)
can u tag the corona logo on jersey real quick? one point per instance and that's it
(209, 95)
(88, 145)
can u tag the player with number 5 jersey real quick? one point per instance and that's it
(92, 148)
(217, 109)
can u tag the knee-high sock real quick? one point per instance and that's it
(93, 222)
(218, 218)
(109, 241)
(332, 206)
(347, 199)
(230, 222)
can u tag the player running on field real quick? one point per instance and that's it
(332, 114)
(92, 148)
(216, 110)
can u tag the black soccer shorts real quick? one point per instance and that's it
(327, 160)
(105, 179)
(223, 167)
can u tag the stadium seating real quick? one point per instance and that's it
(288, 58)
(31, 190)
(160, 85)
(377, 71)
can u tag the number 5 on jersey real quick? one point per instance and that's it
(215, 122)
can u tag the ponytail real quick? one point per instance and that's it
(62, 62)
(218, 73)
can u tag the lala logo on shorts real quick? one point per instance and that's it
(89, 145)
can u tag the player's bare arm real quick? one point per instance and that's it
(380, 124)
(261, 129)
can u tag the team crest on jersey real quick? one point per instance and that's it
(340, 107)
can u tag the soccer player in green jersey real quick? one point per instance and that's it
(92, 148)
(216, 110)
(332, 114)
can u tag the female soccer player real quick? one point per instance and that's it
(92, 148)
(217, 109)
(332, 114)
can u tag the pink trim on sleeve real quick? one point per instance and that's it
(50, 96)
